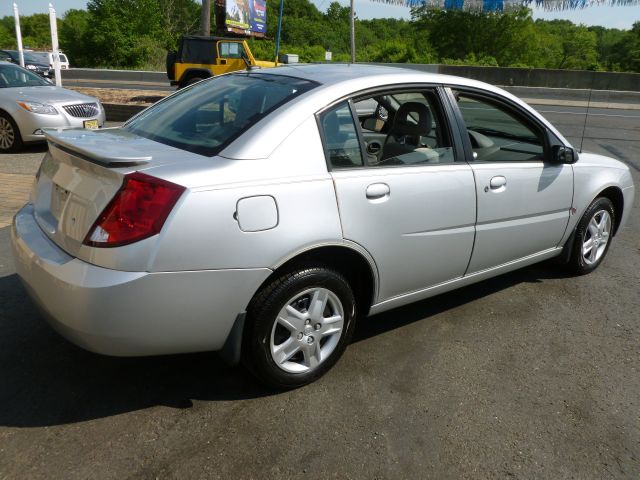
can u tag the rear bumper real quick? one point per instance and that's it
(129, 313)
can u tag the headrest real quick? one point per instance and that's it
(412, 118)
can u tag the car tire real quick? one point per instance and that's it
(193, 80)
(10, 139)
(593, 237)
(298, 326)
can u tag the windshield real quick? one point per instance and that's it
(14, 76)
(207, 117)
(40, 57)
(32, 58)
(29, 57)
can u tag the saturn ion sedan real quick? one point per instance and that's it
(29, 104)
(261, 213)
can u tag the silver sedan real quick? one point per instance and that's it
(260, 214)
(29, 103)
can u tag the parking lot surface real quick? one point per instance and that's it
(533, 374)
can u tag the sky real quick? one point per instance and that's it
(611, 17)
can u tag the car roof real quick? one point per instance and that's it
(337, 73)
(336, 82)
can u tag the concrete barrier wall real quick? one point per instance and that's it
(120, 113)
(105, 75)
(526, 77)
(534, 77)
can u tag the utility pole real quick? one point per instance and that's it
(205, 18)
(54, 44)
(16, 17)
(279, 31)
(353, 34)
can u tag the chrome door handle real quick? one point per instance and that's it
(497, 182)
(377, 191)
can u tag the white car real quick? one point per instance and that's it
(47, 57)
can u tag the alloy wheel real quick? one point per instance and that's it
(596, 237)
(307, 330)
(7, 134)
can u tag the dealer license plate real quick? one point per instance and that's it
(91, 124)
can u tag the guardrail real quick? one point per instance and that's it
(105, 75)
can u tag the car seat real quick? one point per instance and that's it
(411, 121)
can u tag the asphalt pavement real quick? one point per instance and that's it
(533, 374)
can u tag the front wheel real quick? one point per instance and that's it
(299, 325)
(10, 139)
(593, 236)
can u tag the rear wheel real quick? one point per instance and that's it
(299, 325)
(593, 236)
(10, 139)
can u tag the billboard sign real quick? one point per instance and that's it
(250, 16)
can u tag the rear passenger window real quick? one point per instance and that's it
(404, 128)
(340, 138)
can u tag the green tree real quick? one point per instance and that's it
(73, 38)
(36, 31)
(137, 34)
(576, 45)
(629, 48)
(608, 46)
(508, 37)
(7, 38)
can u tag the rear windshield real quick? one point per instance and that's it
(198, 50)
(208, 116)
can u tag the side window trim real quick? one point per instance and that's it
(360, 135)
(459, 150)
(461, 127)
(519, 114)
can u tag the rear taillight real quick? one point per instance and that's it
(138, 211)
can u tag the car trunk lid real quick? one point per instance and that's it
(81, 173)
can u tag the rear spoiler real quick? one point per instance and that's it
(104, 147)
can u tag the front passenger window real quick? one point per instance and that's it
(496, 133)
(340, 138)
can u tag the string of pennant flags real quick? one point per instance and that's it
(502, 5)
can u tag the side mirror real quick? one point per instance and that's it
(372, 124)
(562, 154)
